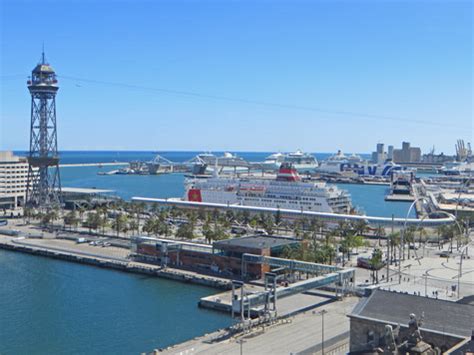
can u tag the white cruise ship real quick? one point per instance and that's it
(340, 163)
(302, 162)
(286, 192)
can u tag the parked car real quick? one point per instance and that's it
(444, 254)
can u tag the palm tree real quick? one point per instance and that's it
(376, 263)
(185, 231)
(343, 228)
(133, 226)
(71, 219)
(269, 224)
(409, 238)
(81, 211)
(93, 221)
(148, 226)
(440, 231)
(422, 234)
(120, 223)
(393, 241)
(155, 208)
(360, 227)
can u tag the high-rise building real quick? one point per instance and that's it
(379, 156)
(44, 184)
(407, 154)
(13, 179)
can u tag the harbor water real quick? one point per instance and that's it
(50, 306)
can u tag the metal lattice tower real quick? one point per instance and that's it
(44, 184)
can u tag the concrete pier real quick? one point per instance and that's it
(108, 257)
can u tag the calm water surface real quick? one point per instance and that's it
(49, 306)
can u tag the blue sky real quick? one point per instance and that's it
(315, 75)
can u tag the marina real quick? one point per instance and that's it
(264, 178)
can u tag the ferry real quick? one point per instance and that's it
(302, 162)
(207, 163)
(401, 184)
(457, 168)
(340, 163)
(287, 191)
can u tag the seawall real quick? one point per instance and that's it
(116, 264)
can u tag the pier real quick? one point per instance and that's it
(107, 257)
(92, 164)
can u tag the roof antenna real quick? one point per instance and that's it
(42, 55)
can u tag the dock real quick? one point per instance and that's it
(400, 198)
(93, 164)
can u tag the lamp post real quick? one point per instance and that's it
(241, 343)
(322, 313)
(460, 270)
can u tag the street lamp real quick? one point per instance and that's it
(241, 343)
(460, 270)
(322, 313)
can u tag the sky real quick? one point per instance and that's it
(242, 75)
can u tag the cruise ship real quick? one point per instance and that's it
(302, 162)
(287, 191)
(340, 163)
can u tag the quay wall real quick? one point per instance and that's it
(172, 274)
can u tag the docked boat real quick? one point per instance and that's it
(287, 191)
(401, 184)
(340, 163)
(208, 163)
(273, 161)
(302, 162)
(457, 168)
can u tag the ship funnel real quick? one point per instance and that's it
(287, 172)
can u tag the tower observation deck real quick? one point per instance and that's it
(44, 184)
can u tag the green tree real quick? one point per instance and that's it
(71, 219)
(360, 227)
(93, 221)
(133, 226)
(394, 242)
(185, 231)
(120, 223)
(268, 224)
(376, 264)
(409, 238)
(149, 224)
(278, 217)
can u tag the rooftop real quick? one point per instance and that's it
(439, 315)
(256, 242)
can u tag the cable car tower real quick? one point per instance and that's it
(44, 184)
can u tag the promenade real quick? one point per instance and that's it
(300, 334)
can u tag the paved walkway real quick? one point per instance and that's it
(301, 335)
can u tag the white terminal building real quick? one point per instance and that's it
(13, 180)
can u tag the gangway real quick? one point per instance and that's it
(266, 300)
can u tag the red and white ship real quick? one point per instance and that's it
(286, 192)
